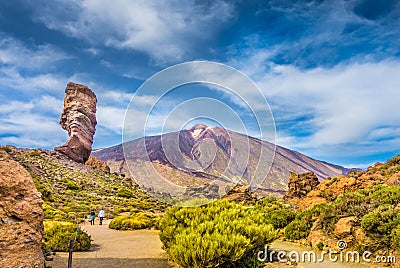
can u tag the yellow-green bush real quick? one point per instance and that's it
(124, 192)
(380, 224)
(57, 236)
(220, 234)
(280, 218)
(300, 227)
(139, 220)
(387, 195)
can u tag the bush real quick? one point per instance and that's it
(57, 236)
(326, 215)
(382, 221)
(387, 195)
(300, 227)
(380, 225)
(280, 218)
(320, 246)
(124, 192)
(350, 204)
(135, 221)
(71, 185)
(395, 238)
(269, 204)
(220, 234)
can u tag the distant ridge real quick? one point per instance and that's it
(285, 160)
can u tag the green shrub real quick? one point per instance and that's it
(6, 148)
(320, 246)
(219, 234)
(380, 225)
(395, 238)
(57, 236)
(382, 221)
(387, 195)
(300, 227)
(71, 185)
(269, 204)
(280, 218)
(350, 204)
(124, 192)
(326, 215)
(139, 220)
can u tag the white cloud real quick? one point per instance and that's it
(15, 106)
(163, 29)
(350, 105)
(31, 129)
(14, 53)
(12, 79)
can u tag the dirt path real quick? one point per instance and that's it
(111, 248)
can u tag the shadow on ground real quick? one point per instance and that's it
(61, 262)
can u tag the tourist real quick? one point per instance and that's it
(101, 215)
(91, 217)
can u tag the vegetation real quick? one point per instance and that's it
(300, 227)
(374, 208)
(139, 220)
(381, 225)
(219, 234)
(71, 193)
(280, 218)
(57, 236)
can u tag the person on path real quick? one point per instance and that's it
(101, 215)
(91, 217)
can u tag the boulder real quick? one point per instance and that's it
(79, 119)
(344, 226)
(300, 185)
(21, 217)
(94, 162)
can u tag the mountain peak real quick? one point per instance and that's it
(198, 126)
(197, 130)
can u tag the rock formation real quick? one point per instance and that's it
(301, 184)
(96, 163)
(21, 216)
(79, 119)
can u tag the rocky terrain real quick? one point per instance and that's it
(71, 190)
(200, 143)
(79, 119)
(300, 185)
(362, 209)
(21, 216)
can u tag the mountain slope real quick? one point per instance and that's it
(202, 154)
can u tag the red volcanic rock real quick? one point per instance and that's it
(21, 217)
(79, 119)
(301, 184)
(94, 162)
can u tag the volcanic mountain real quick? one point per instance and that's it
(203, 154)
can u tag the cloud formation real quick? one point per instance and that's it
(165, 30)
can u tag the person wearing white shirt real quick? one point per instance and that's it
(101, 216)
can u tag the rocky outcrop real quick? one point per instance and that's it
(300, 185)
(21, 216)
(96, 163)
(79, 119)
(344, 226)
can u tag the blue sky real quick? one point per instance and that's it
(329, 69)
